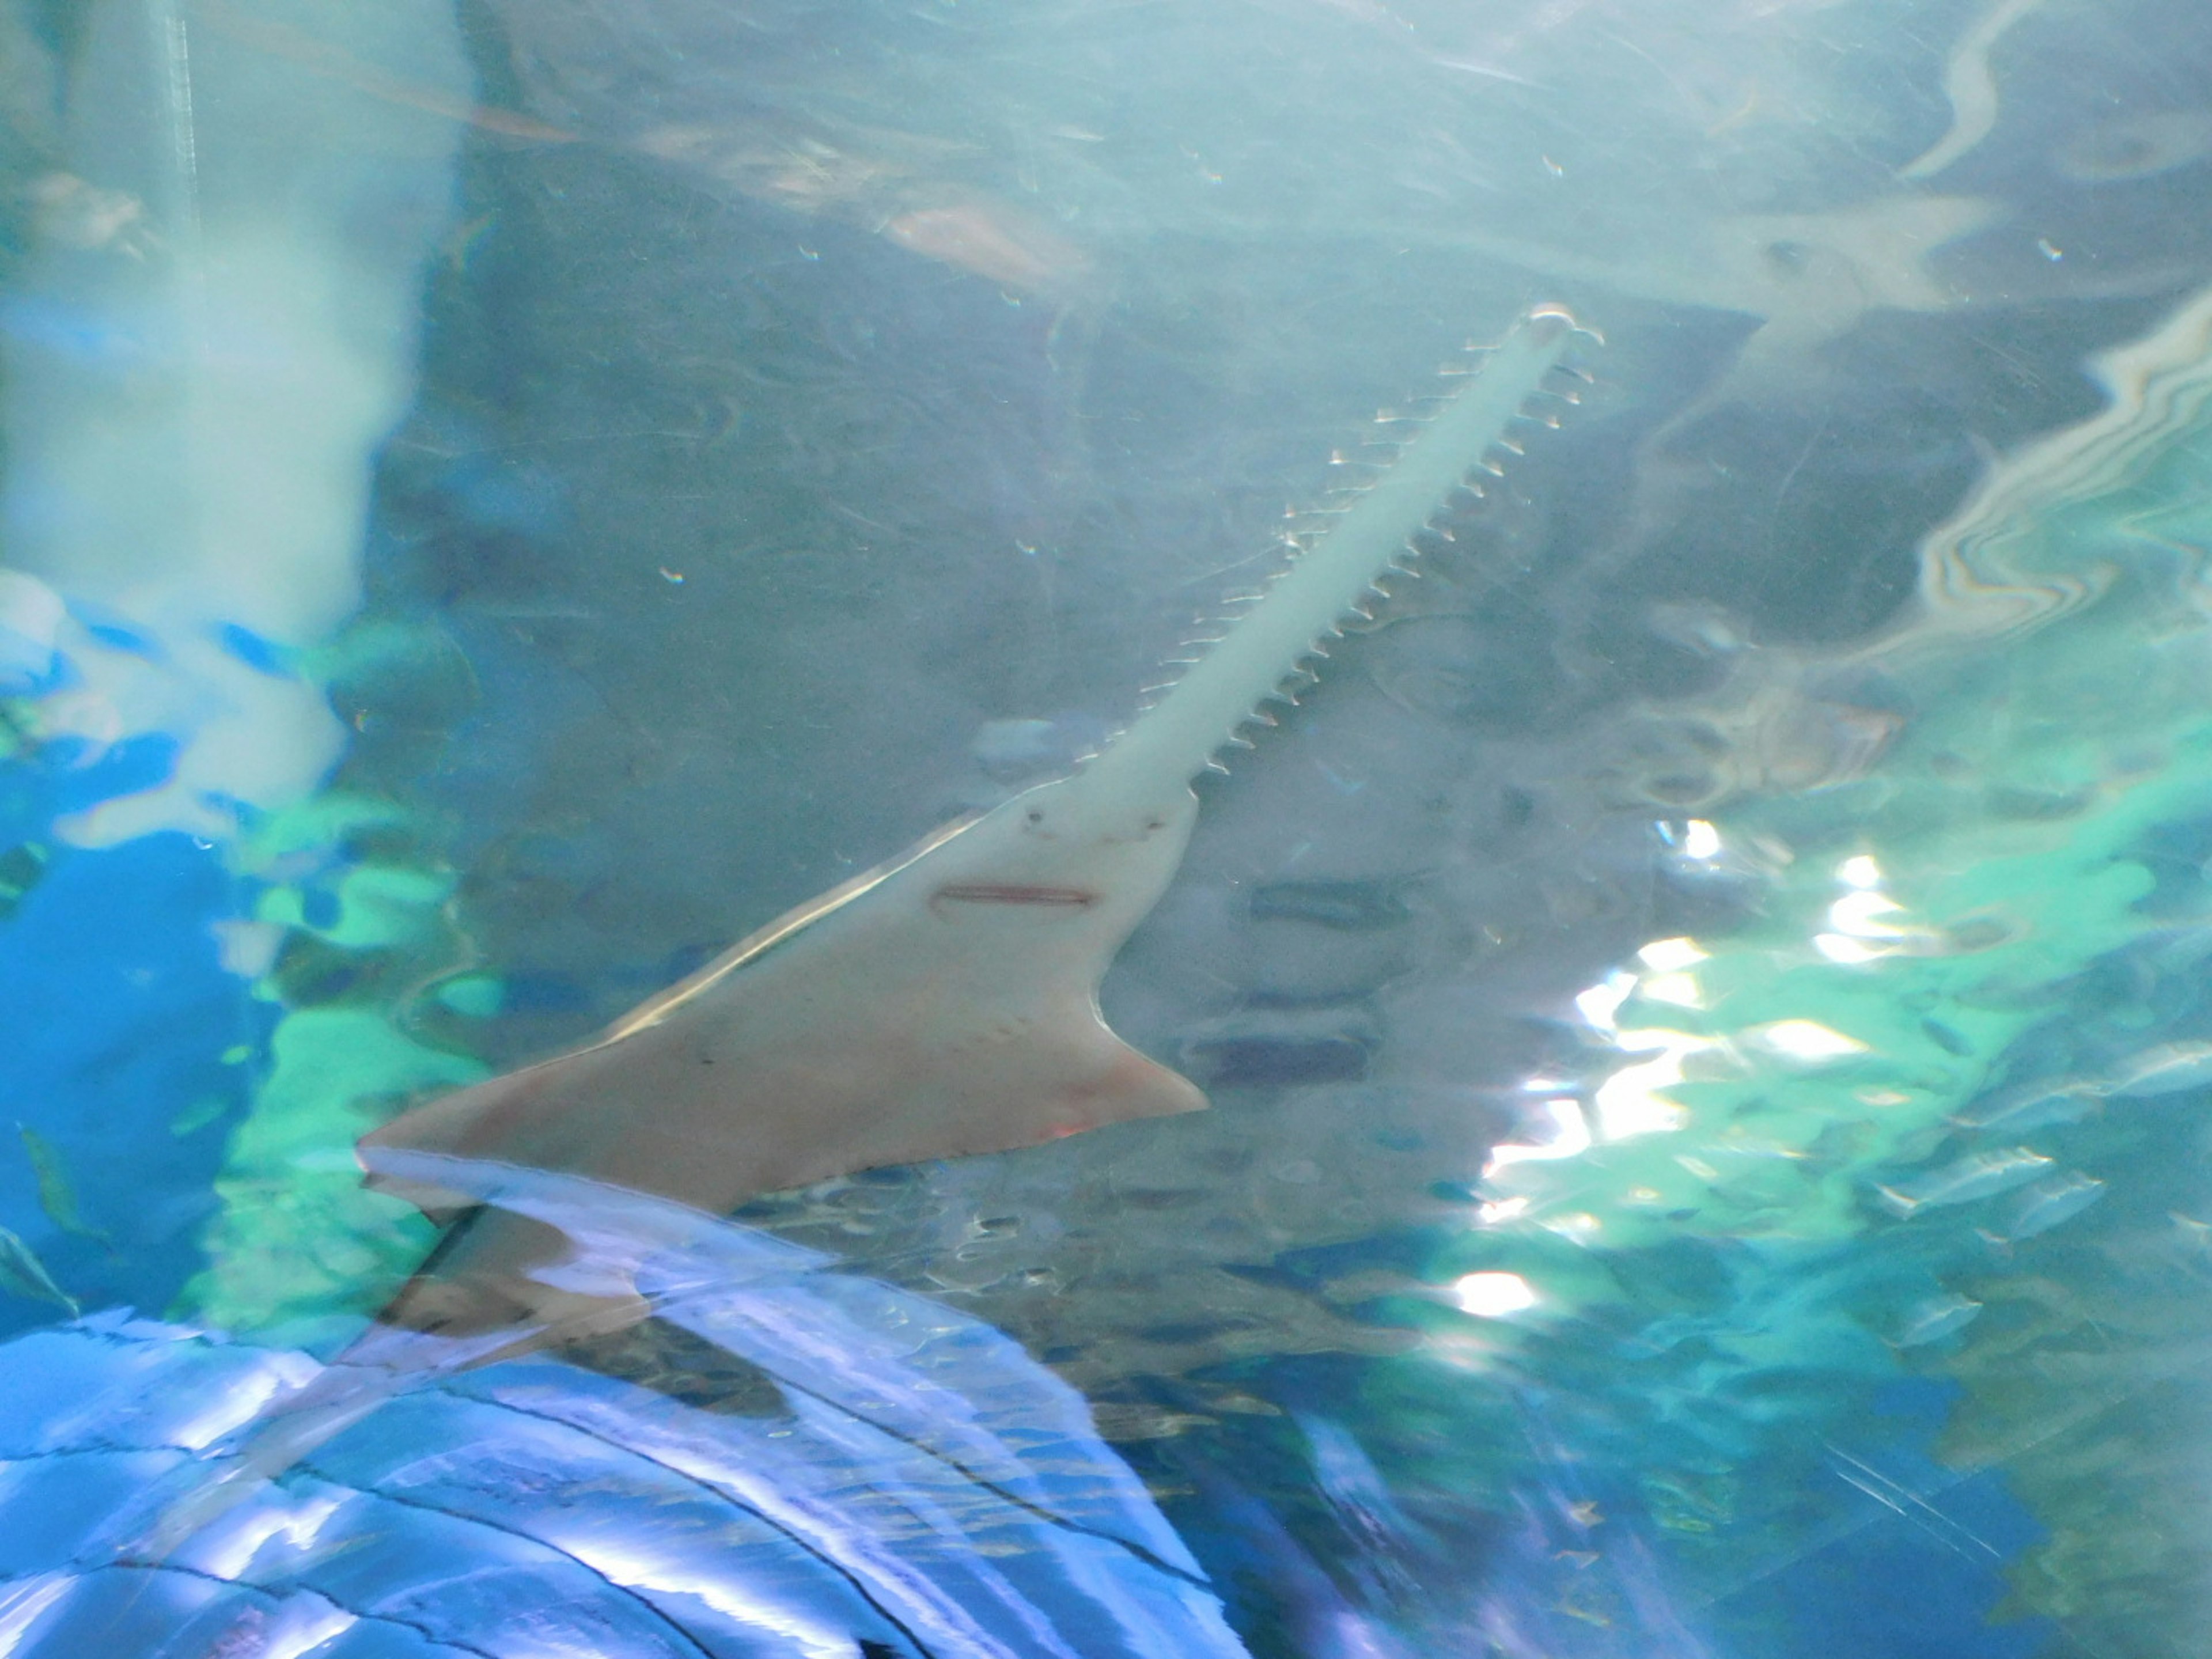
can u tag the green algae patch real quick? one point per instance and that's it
(299, 1236)
(363, 921)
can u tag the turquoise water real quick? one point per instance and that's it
(1700, 995)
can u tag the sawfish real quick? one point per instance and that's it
(944, 1004)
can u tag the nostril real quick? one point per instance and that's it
(991, 892)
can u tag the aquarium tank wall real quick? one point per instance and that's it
(1302, 829)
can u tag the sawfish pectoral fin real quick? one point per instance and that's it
(683, 1110)
(1116, 1084)
(468, 1122)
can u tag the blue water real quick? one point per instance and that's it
(1701, 1000)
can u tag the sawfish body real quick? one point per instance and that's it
(944, 1004)
(947, 1003)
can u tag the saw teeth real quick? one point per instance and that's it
(1560, 313)
(1358, 578)
(1376, 466)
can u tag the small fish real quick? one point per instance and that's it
(1935, 1319)
(2167, 1069)
(57, 1197)
(2034, 1106)
(2138, 144)
(2046, 1205)
(993, 239)
(22, 1273)
(1985, 1175)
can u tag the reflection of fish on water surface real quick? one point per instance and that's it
(2167, 1069)
(895, 184)
(804, 1461)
